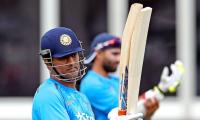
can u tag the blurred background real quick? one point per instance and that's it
(173, 34)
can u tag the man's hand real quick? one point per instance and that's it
(113, 115)
(148, 103)
(169, 83)
(151, 105)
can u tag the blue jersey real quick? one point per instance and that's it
(54, 101)
(102, 93)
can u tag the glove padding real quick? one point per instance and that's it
(169, 83)
(113, 115)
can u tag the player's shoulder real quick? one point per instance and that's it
(91, 78)
(91, 82)
(47, 85)
(46, 90)
(114, 76)
(90, 74)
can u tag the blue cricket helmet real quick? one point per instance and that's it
(61, 42)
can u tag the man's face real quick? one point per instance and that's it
(67, 66)
(111, 59)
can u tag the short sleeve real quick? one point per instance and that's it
(49, 106)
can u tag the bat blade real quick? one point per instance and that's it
(136, 57)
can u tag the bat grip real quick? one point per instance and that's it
(121, 112)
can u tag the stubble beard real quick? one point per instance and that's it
(109, 68)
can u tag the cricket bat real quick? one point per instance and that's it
(124, 58)
(132, 55)
(137, 51)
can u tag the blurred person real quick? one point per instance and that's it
(102, 87)
(57, 97)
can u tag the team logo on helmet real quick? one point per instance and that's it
(65, 39)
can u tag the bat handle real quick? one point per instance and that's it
(121, 112)
(123, 94)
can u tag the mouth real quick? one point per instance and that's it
(71, 70)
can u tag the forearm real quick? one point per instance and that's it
(147, 117)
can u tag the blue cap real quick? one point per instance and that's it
(102, 41)
(61, 41)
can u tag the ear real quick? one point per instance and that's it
(99, 53)
(49, 65)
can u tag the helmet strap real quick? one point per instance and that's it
(55, 70)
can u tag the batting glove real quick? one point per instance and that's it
(169, 83)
